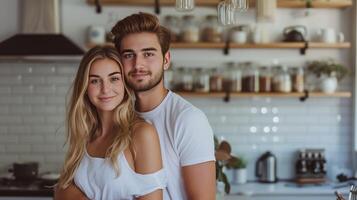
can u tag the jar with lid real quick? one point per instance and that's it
(173, 24)
(250, 80)
(298, 79)
(216, 80)
(239, 34)
(211, 30)
(190, 30)
(201, 80)
(168, 78)
(264, 79)
(178, 79)
(282, 80)
(187, 80)
(232, 78)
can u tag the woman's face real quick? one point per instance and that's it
(105, 86)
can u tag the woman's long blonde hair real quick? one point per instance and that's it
(83, 122)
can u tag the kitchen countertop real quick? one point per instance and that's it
(289, 188)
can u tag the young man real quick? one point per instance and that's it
(186, 137)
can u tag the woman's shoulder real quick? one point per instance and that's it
(143, 132)
(147, 148)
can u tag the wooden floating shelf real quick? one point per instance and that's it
(281, 3)
(270, 94)
(279, 45)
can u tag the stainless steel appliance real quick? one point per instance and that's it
(266, 168)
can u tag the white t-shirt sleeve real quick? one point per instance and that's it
(194, 137)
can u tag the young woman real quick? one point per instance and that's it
(112, 153)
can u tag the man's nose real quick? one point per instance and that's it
(139, 62)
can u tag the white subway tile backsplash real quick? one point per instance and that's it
(31, 139)
(34, 120)
(19, 148)
(31, 157)
(70, 70)
(10, 120)
(10, 100)
(48, 89)
(34, 100)
(20, 130)
(5, 90)
(57, 80)
(44, 109)
(20, 109)
(43, 148)
(33, 80)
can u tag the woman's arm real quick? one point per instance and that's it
(72, 192)
(147, 155)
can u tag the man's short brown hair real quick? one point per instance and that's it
(138, 23)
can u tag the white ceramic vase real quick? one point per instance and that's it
(328, 84)
(241, 176)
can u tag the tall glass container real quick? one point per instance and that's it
(250, 80)
(190, 31)
(211, 31)
(185, 5)
(173, 23)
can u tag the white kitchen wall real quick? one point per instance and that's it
(32, 95)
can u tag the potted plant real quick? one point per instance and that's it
(222, 154)
(329, 73)
(238, 165)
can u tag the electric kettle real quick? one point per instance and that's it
(295, 34)
(265, 168)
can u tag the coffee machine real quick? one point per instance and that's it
(266, 168)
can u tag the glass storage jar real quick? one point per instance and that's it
(250, 80)
(190, 30)
(282, 80)
(201, 80)
(187, 79)
(211, 30)
(216, 80)
(178, 79)
(173, 24)
(232, 78)
(168, 78)
(298, 79)
(264, 79)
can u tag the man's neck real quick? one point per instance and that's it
(148, 100)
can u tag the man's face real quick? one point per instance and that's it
(143, 61)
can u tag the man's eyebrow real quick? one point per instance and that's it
(127, 51)
(149, 49)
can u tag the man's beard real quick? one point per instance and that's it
(145, 87)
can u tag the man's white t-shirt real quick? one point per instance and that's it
(186, 138)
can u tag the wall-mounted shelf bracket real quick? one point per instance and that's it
(306, 96)
(303, 50)
(157, 7)
(98, 7)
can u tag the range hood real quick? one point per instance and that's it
(41, 37)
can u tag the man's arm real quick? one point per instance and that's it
(200, 181)
(72, 192)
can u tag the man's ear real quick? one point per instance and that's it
(167, 60)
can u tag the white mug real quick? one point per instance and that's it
(239, 37)
(96, 35)
(328, 35)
